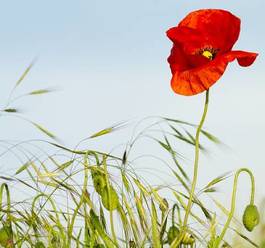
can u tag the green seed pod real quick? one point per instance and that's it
(6, 239)
(251, 217)
(188, 239)
(172, 233)
(99, 181)
(109, 198)
(163, 206)
(39, 244)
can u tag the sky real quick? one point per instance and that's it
(107, 60)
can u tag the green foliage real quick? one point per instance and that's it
(89, 198)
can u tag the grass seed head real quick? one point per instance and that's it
(109, 198)
(99, 181)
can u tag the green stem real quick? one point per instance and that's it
(196, 161)
(173, 215)
(113, 229)
(115, 241)
(82, 202)
(233, 200)
(195, 172)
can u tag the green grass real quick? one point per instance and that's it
(89, 198)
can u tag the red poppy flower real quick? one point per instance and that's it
(202, 44)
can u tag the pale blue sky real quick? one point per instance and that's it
(109, 59)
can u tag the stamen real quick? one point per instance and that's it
(207, 54)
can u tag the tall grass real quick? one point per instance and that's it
(76, 197)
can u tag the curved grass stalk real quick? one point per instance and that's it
(134, 227)
(3, 187)
(233, 201)
(58, 223)
(82, 202)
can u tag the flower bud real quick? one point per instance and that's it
(251, 217)
(6, 236)
(172, 233)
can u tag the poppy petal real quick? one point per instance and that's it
(180, 61)
(243, 58)
(220, 27)
(177, 60)
(194, 81)
(182, 34)
(190, 39)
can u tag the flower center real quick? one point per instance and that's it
(208, 54)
